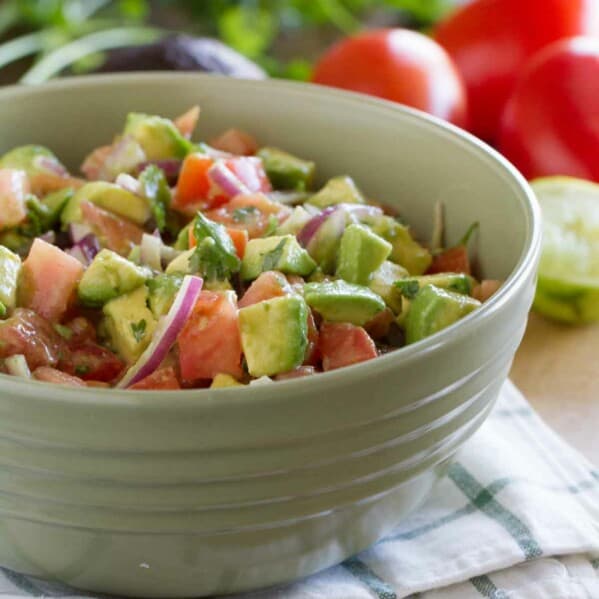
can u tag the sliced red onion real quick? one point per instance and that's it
(90, 246)
(49, 237)
(250, 171)
(151, 251)
(214, 152)
(166, 333)
(170, 167)
(50, 164)
(311, 227)
(221, 176)
(335, 224)
(77, 231)
(129, 183)
(17, 366)
(361, 211)
(77, 252)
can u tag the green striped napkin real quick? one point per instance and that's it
(516, 518)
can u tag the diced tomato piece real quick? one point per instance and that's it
(51, 375)
(91, 361)
(313, 349)
(483, 291)
(98, 384)
(250, 171)
(379, 326)
(193, 184)
(187, 121)
(240, 239)
(94, 162)
(296, 374)
(343, 344)
(115, 233)
(268, 285)
(44, 183)
(454, 259)
(14, 188)
(164, 379)
(82, 330)
(236, 142)
(27, 333)
(49, 279)
(250, 212)
(210, 342)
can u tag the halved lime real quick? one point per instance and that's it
(568, 285)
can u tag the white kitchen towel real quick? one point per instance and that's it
(517, 517)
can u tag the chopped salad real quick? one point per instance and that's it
(174, 264)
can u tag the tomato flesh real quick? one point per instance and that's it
(454, 259)
(343, 344)
(210, 342)
(91, 361)
(163, 379)
(47, 374)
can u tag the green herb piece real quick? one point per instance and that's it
(273, 224)
(3, 310)
(271, 259)
(215, 256)
(408, 288)
(138, 329)
(469, 233)
(82, 369)
(155, 188)
(63, 331)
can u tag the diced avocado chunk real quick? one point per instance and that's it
(457, 282)
(32, 159)
(108, 276)
(3, 310)
(109, 196)
(10, 267)
(182, 241)
(158, 136)
(383, 282)
(221, 381)
(324, 245)
(129, 324)
(281, 252)
(339, 301)
(338, 190)
(434, 309)
(295, 222)
(274, 335)
(286, 171)
(406, 251)
(360, 253)
(181, 264)
(56, 201)
(162, 291)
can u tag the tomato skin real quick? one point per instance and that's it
(210, 341)
(343, 344)
(550, 123)
(398, 65)
(235, 142)
(90, 361)
(51, 375)
(268, 285)
(490, 40)
(454, 259)
(163, 379)
(239, 237)
(193, 184)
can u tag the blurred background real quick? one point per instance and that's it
(284, 37)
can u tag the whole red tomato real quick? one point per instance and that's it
(490, 40)
(399, 65)
(551, 122)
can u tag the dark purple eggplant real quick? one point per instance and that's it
(183, 53)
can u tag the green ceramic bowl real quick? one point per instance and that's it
(214, 491)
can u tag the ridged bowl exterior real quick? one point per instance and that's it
(205, 492)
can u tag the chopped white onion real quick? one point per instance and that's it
(77, 231)
(151, 251)
(129, 183)
(17, 366)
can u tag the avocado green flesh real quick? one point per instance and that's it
(457, 282)
(282, 253)
(338, 301)
(286, 171)
(338, 190)
(129, 324)
(383, 282)
(108, 276)
(26, 158)
(361, 253)
(434, 309)
(110, 197)
(274, 335)
(158, 137)
(162, 291)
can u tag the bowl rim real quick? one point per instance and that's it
(115, 398)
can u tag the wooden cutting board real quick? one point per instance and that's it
(557, 369)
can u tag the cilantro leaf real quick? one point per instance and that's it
(241, 215)
(155, 188)
(138, 329)
(215, 256)
(273, 223)
(271, 259)
(408, 287)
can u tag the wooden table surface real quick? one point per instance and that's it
(557, 369)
